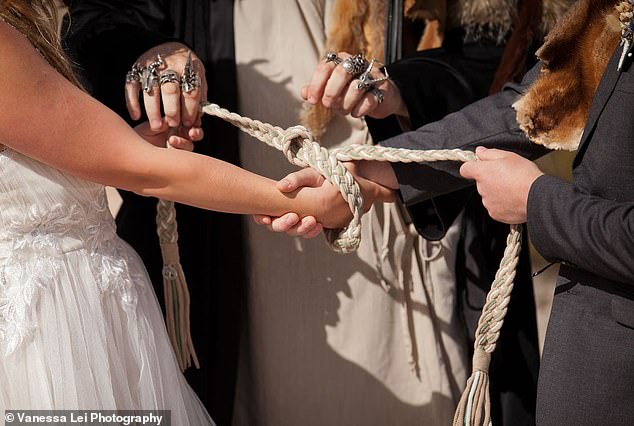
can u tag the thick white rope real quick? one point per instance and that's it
(300, 148)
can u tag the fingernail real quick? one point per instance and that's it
(312, 100)
(155, 124)
(290, 220)
(285, 183)
(480, 149)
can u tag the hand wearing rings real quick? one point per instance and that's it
(171, 81)
(371, 92)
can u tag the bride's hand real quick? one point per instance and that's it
(184, 139)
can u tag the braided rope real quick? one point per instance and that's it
(300, 148)
(175, 287)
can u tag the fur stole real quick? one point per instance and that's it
(554, 110)
(359, 26)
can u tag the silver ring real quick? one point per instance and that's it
(378, 94)
(367, 82)
(331, 56)
(150, 75)
(355, 65)
(190, 80)
(134, 75)
(169, 76)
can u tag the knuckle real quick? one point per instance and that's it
(194, 94)
(170, 89)
(324, 67)
(328, 101)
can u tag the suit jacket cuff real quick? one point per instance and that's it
(542, 199)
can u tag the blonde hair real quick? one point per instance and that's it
(37, 20)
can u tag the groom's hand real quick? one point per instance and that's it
(503, 180)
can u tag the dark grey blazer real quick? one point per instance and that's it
(587, 371)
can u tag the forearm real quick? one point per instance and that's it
(586, 231)
(48, 119)
(208, 183)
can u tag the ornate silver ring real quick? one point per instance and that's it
(378, 94)
(169, 76)
(355, 65)
(367, 82)
(150, 75)
(134, 75)
(332, 57)
(190, 80)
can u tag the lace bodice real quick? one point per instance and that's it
(44, 215)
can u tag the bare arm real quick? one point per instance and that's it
(46, 118)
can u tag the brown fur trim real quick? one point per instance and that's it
(554, 111)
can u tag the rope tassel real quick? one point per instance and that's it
(175, 287)
(474, 407)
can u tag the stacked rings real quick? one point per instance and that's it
(149, 77)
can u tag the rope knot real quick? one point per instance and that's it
(295, 140)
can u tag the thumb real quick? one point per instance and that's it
(301, 178)
(487, 154)
(469, 170)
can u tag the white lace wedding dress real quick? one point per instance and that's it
(80, 326)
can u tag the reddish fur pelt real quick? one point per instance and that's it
(359, 26)
(554, 111)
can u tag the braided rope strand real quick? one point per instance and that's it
(300, 148)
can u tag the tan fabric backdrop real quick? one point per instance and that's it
(325, 343)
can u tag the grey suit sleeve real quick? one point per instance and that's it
(590, 232)
(490, 122)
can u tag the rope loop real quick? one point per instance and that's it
(300, 148)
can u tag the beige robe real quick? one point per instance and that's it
(331, 339)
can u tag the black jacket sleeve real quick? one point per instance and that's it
(570, 226)
(490, 122)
